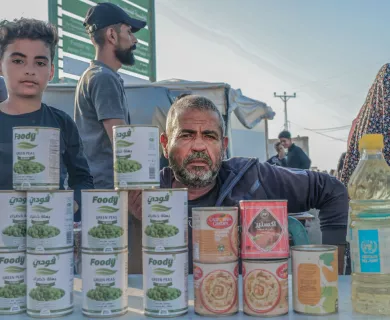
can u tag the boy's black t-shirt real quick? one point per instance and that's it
(72, 158)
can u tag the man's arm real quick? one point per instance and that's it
(106, 95)
(304, 159)
(109, 124)
(307, 190)
(76, 163)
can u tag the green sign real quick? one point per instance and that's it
(84, 49)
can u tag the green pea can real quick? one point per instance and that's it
(36, 158)
(13, 220)
(136, 157)
(165, 284)
(165, 220)
(104, 284)
(49, 221)
(12, 282)
(50, 284)
(104, 220)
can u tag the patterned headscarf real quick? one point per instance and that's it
(374, 117)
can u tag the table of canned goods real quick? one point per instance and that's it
(135, 294)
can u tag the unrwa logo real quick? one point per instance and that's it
(369, 246)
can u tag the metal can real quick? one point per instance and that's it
(265, 287)
(315, 276)
(13, 221)
(216, 288)
(165, 284)
(12, 282)
(215, 234)
(49, 221)
(136, 157)
(36, 158)
(164, 220)
(50, 284)
(264, 233)
(104, 220)
(105, 284)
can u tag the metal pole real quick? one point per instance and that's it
(285, 98)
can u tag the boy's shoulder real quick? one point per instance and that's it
(58, 114)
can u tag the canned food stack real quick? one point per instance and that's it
(215, 256)
(264, 253)
(104, 252)
(165, 252)
(49, 253)
(12, 252)
(44, 215)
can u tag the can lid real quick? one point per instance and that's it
(164, 252)
(215, 209)
(163, 189)
(93, 253)
(135, 126)
(32, 127)
(47, 191)
(103, 190)
(314, 248)
(260, 201)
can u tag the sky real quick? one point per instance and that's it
(328, 52)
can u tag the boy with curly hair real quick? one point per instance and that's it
(27, 49)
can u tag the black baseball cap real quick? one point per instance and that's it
(107, 14)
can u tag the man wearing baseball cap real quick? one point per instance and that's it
(100, 101)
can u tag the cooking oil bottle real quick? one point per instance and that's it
(369, 229)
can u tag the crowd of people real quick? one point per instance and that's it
(194, 141)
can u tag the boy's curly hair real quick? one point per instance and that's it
(31, 29)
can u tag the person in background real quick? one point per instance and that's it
(3, 90)
(27, 48)
(100, 100)
(296, 157)
(373, 117)
(194, 142)
(280, 158)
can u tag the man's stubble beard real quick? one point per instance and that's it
(192, 179)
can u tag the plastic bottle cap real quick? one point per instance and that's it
(371, 142)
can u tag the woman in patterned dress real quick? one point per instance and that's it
(373, 117)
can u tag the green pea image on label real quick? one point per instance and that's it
(161, 230)
(123, 165)
(28, 167)
(15, 230)
(104, 293)
(10, 291)
(106, 231)
(43, 293)
(163, 293)
(41, 231)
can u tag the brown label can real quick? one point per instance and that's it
(315, 277)
(265, 287)
(215, 234)
(264, 233)
(216, 288)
